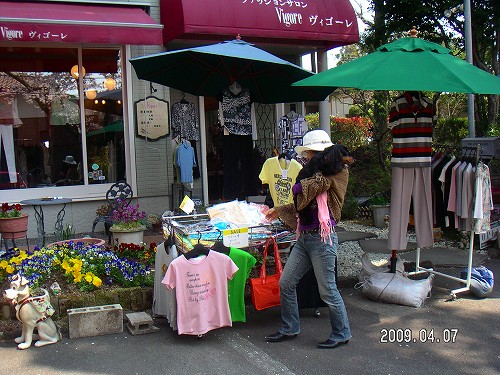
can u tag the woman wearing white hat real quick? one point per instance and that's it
(318, 198)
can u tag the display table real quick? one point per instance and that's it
(38, 205)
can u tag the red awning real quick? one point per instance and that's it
(325, 23)
(70, 23)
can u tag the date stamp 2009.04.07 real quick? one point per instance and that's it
(407, 335)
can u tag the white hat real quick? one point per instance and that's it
(69, 160)
(315, 140)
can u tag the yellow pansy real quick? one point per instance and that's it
(65, 265)
(97, 281)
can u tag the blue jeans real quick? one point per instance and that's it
(309, 251)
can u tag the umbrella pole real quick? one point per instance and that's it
(393, 261)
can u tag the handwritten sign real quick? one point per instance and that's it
(235, 237)
(187, 205)
(152, 118)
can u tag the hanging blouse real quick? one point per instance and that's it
(9, 114)
(185, 121)
(237, 112)
(411, 119)
(292, 127)
(483, 200)
(164, 303)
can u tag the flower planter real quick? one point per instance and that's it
(135, 235)
(86, 242)
(14, 227)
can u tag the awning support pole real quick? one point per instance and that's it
(324, 107)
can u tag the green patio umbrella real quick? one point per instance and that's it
(114, 127)
(410, 64)
(206, 70)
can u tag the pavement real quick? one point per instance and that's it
(444, 336)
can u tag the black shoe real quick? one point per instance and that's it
(330, 344)
(278, 337)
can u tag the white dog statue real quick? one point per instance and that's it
(32, 312)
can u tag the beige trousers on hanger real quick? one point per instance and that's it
(408, 183)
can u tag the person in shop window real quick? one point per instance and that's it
(319, 194)
(69, 174)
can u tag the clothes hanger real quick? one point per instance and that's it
(219, 245)
(285, 155)
(183, 100)
(198, 249)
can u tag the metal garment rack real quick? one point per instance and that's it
(281, 236)
(454, 292)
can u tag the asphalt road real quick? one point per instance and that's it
(466, 341)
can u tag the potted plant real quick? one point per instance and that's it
(128, 222)
(154, 221)
(380, 206)
(13, 223)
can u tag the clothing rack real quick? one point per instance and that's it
(453, 293)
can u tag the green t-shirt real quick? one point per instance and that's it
(236, 286)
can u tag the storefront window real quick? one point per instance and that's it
(41, 122)
(104, 118)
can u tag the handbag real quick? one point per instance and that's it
(265, 289)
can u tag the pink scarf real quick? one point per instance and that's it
(325, 225)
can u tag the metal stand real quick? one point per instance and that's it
(4, 240)
(40, 219)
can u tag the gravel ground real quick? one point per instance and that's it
(350, 252)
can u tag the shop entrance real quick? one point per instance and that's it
(215, 163)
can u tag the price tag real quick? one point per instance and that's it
(235, 237)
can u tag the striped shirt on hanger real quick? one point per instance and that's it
(411, 120)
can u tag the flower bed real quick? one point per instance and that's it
(81, 266)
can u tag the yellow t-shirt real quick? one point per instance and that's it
(280, 178)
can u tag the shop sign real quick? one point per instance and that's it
(151, 117)
(33, 33)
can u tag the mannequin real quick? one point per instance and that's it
(237, 119)
(235, 88)
(411, 121)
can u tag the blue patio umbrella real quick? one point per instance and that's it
(206, 70)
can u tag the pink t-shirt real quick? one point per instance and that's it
(201, 291)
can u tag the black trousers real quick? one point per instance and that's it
(238, 166)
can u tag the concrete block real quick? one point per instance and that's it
(140, 323)
(95, 321)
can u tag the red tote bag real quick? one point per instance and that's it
(265, 289)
